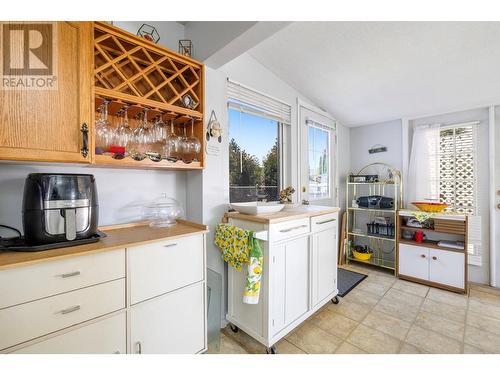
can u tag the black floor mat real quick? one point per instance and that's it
(347, 280)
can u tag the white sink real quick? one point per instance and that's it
(257, 208)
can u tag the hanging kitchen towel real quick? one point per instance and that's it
(254, 272)
(234, 244)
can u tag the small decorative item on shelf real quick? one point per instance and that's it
(186, 47)
(188, 101)
(149, 32)
(363, 178)
(362, 253)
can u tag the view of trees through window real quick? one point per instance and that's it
(253, 157)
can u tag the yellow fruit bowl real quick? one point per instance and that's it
(361, 256)
(434, 207)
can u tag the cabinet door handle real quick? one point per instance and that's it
(326, 221)
(422, 255)
(70, 274)
(293, 228)
(138, 344)
(70, 309)
(85, 144)
(170, 245)
(434, 258)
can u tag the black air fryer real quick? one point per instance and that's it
(59, 208)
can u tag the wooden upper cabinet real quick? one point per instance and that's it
(40, 124)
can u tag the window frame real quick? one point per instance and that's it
(330, 133)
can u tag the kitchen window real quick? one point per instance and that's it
(319, 161)
(257, 131)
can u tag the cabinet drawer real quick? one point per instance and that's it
(24, 284)
(161, 267)
(413, 261)
(319, 223)
(34, 319)
(107, 336)
(288, 229)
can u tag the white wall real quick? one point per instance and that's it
(365, 137)
(170, 32)
(121, 192)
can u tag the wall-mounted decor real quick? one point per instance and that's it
(149, 32)
(186, 47)
(214, 128)
(376, 149)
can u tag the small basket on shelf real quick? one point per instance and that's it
(362, 253)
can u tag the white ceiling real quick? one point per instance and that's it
(369, 72)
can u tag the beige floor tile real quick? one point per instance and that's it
(373, 287)
(483, 322)
(313, 339)
(438, 323)
(469, 349)
(352, 310)
(486, 298)
(400, 305)
(246, 341)
(484, 308)
(456, 314)
(410, 349)
(346, 348)
(485, 289)
(373, 341)
(361, 297)
(432, 342)
(334, 323)
(227, 346)
(410, 287)
(486, 341)
(387, 324)
(285, 347)
(450, 298)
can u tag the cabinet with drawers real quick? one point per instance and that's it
(147, 297)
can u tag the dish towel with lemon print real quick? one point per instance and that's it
(239, 248)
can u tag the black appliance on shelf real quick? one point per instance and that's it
(376, 202)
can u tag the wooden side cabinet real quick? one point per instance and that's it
(52, 125)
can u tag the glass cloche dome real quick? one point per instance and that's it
(162, 212)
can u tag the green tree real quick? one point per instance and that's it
(244, 168)
(270, 166)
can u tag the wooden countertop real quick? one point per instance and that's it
(119, 237)
(299, 212)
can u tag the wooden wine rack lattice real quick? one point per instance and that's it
(135, 70)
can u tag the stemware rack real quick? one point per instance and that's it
(130, 70)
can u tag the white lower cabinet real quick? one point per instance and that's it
(324, 264)
(106, 336)
(414, 261)
(438, 266)
(173, 323)
(447, 267)
(290, 269)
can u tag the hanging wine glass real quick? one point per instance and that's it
(171, 149)
(143, 134)
(124, 134)
(160, 128)
(192, 146)
(103, 131)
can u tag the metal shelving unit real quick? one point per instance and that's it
(384, 247)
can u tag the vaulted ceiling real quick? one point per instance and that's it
(369, 72)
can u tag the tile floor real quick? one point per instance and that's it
(386, 315)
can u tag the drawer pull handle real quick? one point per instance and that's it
(293, 228)
(422, 255)
(70, 309)
(326, 221)
(170, 245)
(434, 258)
(139, 347)
(70, 274)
